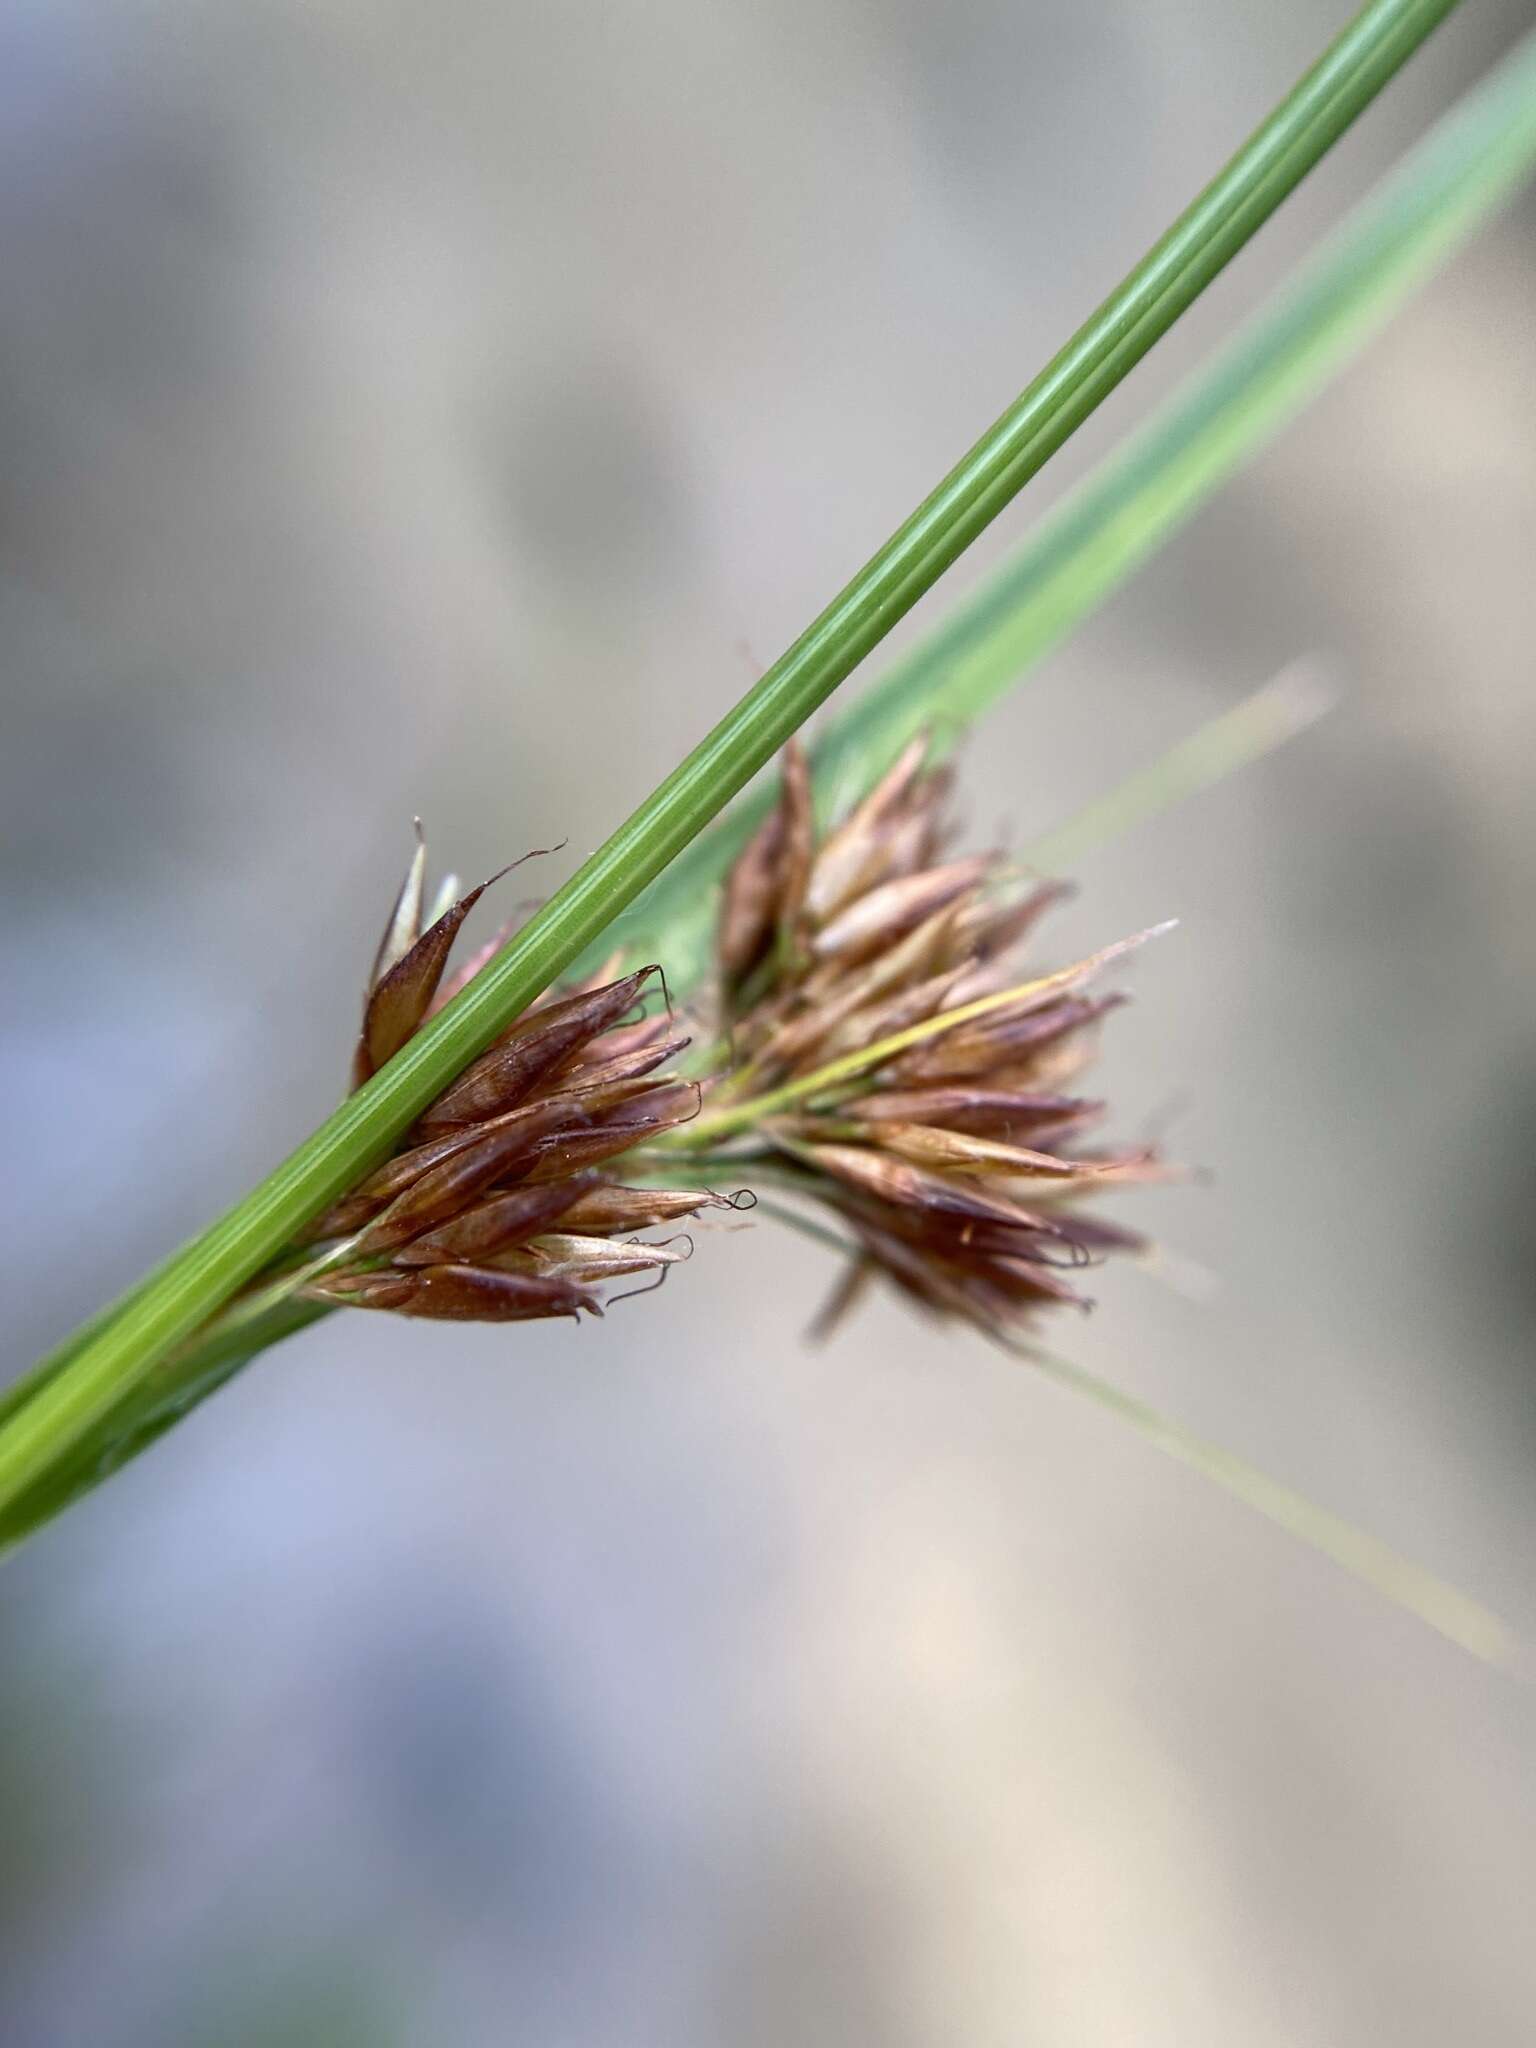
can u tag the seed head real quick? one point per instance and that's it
(913, 1082)
(491, 1210)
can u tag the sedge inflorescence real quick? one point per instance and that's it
(501, 1205)
(876, 1054)
(897, 1069)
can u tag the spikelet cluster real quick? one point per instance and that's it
(500, 1206)
(881, 1056)
(948, 1136)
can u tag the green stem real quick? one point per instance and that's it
(199, 1279)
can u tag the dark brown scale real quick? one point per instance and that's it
(486, 1294)
(909, 1187)
(581, 1148)
(604, 1101)
(503, 1077)
(1003, 1040)
(507, 1150)
(990, 1112)
(607, 1208)
(586, 1080)
(749, 909)
(397, 1003)
(495, 1225)
(395, 1175)
(797, 845)
(626, 1038)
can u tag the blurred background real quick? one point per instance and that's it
(446, 411)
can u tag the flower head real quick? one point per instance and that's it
(500, 1206)
(903, 1073)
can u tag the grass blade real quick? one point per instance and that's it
(1452, 1614)
(1429, 1599)
(1290, 703)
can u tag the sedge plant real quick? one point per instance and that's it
(870, 1050)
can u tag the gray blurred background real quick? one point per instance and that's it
(442, 410)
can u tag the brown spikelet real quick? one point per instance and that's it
(495, 1225)
(750, 903)
(946, 1149)
(933, 1146)
(481, 1294)
(885, 913)
(609, 1207)
(592, 1077)
(797, 845)
(990, 1112)
(504, 1150)
(852, 849)
(621, 1128)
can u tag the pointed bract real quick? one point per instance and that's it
(398, 1002)
(457, 1225)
